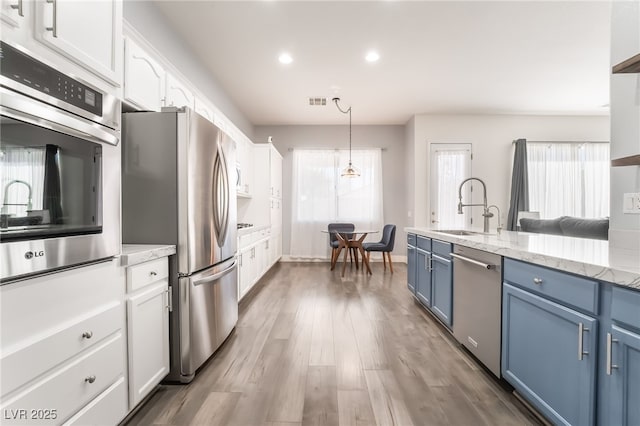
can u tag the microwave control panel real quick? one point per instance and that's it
(30, 72)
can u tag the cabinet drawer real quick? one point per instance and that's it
(441, 248)
(24, 364)
(411, 239)
(625, 306)
(108, 408)
(578, 292)
(69, 388)
(141, 275)
(245, 240)
(424, 243)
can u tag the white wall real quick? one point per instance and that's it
(491, 137)
(625, 121)
(410, 169)
(151, 24)
(331, 137)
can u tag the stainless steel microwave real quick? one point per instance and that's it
(59, 169)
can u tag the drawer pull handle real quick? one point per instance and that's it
(18, 7)
(610, 364)
(153, 273)
(90, 379)
(87, 335)
(537, 281)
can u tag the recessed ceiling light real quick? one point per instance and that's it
(372, 56)
(285, 58)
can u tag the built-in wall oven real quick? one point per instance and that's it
(59, 169)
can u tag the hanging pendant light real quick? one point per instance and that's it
(349, 171)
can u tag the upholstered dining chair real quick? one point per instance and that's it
(385, 245)
(333, 240)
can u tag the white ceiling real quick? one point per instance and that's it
(435, 57)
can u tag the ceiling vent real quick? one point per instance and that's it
(317, 101)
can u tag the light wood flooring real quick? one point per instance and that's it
(312, 348)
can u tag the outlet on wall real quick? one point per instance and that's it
(631, 203)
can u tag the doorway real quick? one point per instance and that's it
(450, 164)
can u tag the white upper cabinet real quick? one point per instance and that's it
(177, 94)
(13, 12)
(202, 108)
(87, 32)
(244, 158)
(275, 170)
(144, 78)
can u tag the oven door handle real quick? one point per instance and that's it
(41, 115)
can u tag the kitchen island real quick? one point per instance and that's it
(569, 317)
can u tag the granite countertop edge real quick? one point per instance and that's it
(133, 254)
(589, 258)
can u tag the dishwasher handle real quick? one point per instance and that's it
(473, 261)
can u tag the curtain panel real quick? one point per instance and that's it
(321, 196)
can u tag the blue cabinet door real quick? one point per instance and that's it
(411, 268)
(549, 356)
(624, 398)
(442, 291)
(423, 277)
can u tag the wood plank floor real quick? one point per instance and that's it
(312, 348)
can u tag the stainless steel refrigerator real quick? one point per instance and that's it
(176, 188)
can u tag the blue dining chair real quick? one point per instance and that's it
(333, 240)
(385, 245)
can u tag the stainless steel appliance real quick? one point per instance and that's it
(60, 169)
(177, 190)
(477, 301)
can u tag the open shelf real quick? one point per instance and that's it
(631, 65)
(632, 160)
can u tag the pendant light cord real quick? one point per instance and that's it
(348, 111)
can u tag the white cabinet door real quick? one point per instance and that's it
(203, 109)
(177, 93)
(87, 32)
(144, 78)
(247, 270)
(148, 327)
(13, 12)
(244, 158)
(275, 172)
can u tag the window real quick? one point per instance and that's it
(568, 179)
(321, 195)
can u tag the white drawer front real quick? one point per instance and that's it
(142, 275)
(47, 304)
(28, 362)
(68, 388)
(245, 240)
(108, 408)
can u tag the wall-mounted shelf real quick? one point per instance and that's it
(632, 160)
(631, 65)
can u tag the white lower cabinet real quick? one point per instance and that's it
(148, 304)
(63, 346)
(259, 251)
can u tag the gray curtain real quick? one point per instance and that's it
(519, 185)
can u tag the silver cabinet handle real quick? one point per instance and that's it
(90, 379)
(581, 330)
(537, 281)
(19, 7)
(610, 364)
(54, 22)
(87, 335)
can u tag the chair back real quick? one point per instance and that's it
(340, 227)
(388, 237)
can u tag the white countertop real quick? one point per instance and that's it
(581, 256)
(132, 254)
(250, 229)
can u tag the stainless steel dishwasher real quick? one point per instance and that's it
(477, 301)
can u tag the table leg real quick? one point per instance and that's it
(364, 257)
(344, 262)
(341, 244)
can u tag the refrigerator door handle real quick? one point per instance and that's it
(218, 275)
(224, 170)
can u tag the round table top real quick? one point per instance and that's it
(357, 231)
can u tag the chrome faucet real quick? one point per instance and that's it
(486, 214)
(6, 196)
(499, 227)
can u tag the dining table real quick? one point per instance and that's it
(350, 240)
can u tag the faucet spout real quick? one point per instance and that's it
(5, 201)
(485, 213)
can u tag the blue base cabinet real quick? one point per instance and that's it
(423, 277)
(624, 402)
(442, 288)
(549, 356)
(411, 268)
